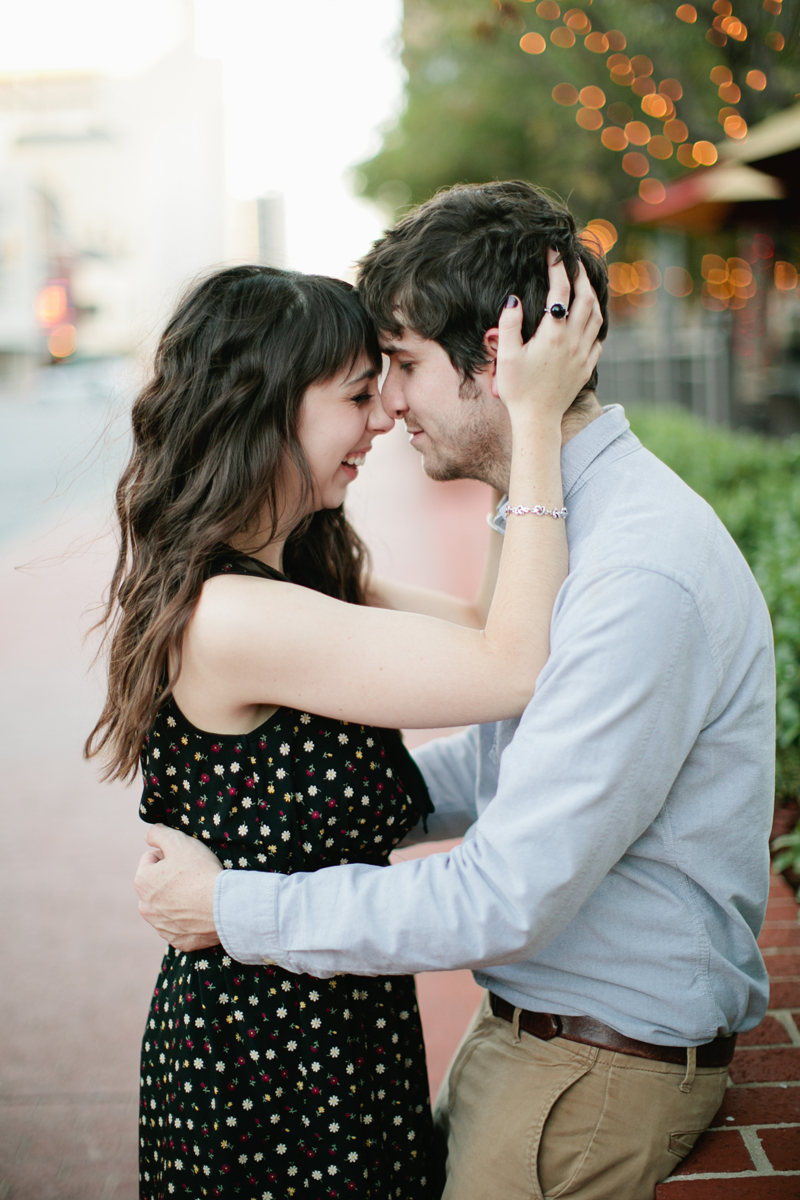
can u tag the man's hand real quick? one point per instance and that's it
(175, 885)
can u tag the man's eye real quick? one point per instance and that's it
(406, 366)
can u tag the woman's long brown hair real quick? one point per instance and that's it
(212, 432)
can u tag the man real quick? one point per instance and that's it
(614, 873)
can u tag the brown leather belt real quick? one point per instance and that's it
(594, 1033)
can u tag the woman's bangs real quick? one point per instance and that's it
(341, 331)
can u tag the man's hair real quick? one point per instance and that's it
(446, 268)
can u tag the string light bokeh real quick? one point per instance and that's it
(641, 140)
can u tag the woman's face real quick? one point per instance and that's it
(338, 422)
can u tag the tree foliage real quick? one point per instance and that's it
(478, 107)
(753, 485)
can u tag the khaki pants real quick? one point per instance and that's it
(525, 1119)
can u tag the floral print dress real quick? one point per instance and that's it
(256, 1082)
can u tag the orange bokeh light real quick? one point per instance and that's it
(720, 75)
(686, 156)
(577, 19)
(599, 232)
(660, 147)
(714, 268)
(637, 132)
(614, 138)
(678, 282)
(62, 341)
(562, 37)
(533, 43)
(705, 153)
(785, 276)
(735, 127)
(652, 190)
(648, 272)
(676, 131)
(622, 278)
(775, 40)
(597, 42)
(565, 93)
(687, 13)
(616, 40)
(735, 29)
(592, 97)
(641, 64)
(589, 118)
(51, 304)
(655, 106)
(670, 88)
(730, 92)
(548, 10)
(635, 164)
(756, 80)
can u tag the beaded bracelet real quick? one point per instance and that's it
(538, 510)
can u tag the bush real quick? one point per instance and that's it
(753, 484)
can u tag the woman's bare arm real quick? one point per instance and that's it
(255, 644)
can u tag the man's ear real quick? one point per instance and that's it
(490, 340)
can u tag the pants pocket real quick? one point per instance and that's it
(547, 1177)
(680, 1144)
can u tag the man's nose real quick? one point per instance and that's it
(392, 398)
(380, 420)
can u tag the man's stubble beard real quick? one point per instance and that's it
(477, 452)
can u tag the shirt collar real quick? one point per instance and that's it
(579, 454)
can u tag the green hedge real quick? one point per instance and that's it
(753, 484)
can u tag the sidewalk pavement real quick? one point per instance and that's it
(79, 965)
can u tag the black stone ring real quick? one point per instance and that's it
(557, 311)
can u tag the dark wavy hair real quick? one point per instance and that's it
(445, 270)
(213, 431)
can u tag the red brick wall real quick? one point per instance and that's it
(752, 1150)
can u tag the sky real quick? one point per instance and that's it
(306, 88)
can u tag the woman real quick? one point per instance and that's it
(261, 695)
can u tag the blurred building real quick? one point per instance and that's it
(735, 358)
(112, 197)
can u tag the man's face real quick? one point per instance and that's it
(460, 429)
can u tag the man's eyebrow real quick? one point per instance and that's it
(370, 373)
(392, 349)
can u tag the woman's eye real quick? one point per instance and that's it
(363, 398)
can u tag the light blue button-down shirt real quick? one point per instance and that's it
(615, 857)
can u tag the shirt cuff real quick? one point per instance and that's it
(245, 915)
(498, 520)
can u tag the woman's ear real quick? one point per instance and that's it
(490, 340)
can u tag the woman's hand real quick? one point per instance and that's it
(542, 377)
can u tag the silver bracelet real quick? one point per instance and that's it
(538, 510)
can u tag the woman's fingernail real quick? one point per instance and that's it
(512, 301)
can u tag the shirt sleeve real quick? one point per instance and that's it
(449, 766)
(627, 689)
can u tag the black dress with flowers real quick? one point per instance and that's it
(258, 1083)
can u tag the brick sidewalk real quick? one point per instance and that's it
(752, 1150)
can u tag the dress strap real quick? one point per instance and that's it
(227, 561)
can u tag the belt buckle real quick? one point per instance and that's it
(554, 1027)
